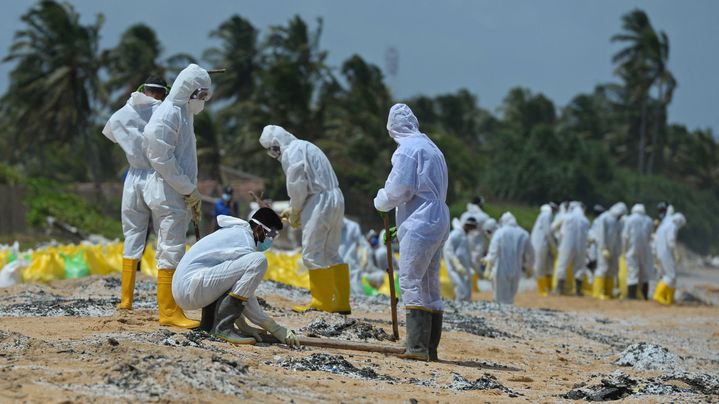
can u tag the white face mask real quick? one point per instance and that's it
(196, 106)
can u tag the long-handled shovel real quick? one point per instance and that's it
(390, 271)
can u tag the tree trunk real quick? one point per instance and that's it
(642, 133)
(655, 131)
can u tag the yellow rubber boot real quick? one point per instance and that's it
(609, 287)
(543, 285)
(669, 295)
(129, 269)
(659, 293)
(170, 313)
(322, 285)
(599, 287)
(341, 301)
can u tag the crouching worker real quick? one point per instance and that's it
(220, 274)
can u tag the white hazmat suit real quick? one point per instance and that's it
(125, 127)
(636, 240)
(667, 257)
(477, 245)
(509, 251)
(316, 204)
(607, 236)
(573, 242)
(544, 247)
(352, 245)
(458, 260)
(170, 145)
(417, 188)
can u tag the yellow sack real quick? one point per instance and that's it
(283, 267)
(45, 266)
(148, 264)
(112, 254)
(96, 261)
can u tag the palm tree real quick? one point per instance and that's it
(641, 64)
(666, 84)
(239, 54)
(55, 85)
(133, 59)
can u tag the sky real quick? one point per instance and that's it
(557, 47)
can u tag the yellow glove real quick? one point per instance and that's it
(281, 333)
(458, 266)
(606, 254)
(676, 255)
(363, 258)
(193, 202)
(292, 216)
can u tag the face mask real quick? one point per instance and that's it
(226, 197)
(274, 152)
(196, 106)
(265, 245)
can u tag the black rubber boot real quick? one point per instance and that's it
(435, 335)
(227, 311)
(559, 290)
(418, 333)
(208, 316)
(632, 292)
(578, 287)
(645, 290)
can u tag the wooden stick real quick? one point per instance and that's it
(390, 271)
(215, 71)
(338, 344)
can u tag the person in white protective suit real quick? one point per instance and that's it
(667, 254)
(380, 257)
(355, 250)
(316, 204)
(476, 240)
(545, 248)
(220, 273)
(636, 243)
(171, 191)
(417, 188)
(125, 127)
(510, 254)
(458, 258)
(572, 244)
(607, 236)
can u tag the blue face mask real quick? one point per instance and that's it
(265, 245)
(226, 197)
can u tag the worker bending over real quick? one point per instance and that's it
(220, 274)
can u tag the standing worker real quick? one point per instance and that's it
(572, 244)
(125, 127)
(317, 205)
(458, 258)
(510, 254)
(668, 257)
(417, 188)
(220, 274)
(607, 236)
(171, 190)
(545, 248)
(637, 240)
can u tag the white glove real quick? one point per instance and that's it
(246, 329)
(281, 333)
(606, 254)
(292, 216)
(194, 204)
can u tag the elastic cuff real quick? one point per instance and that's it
(238, 297)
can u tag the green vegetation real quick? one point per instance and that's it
(611, 143)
